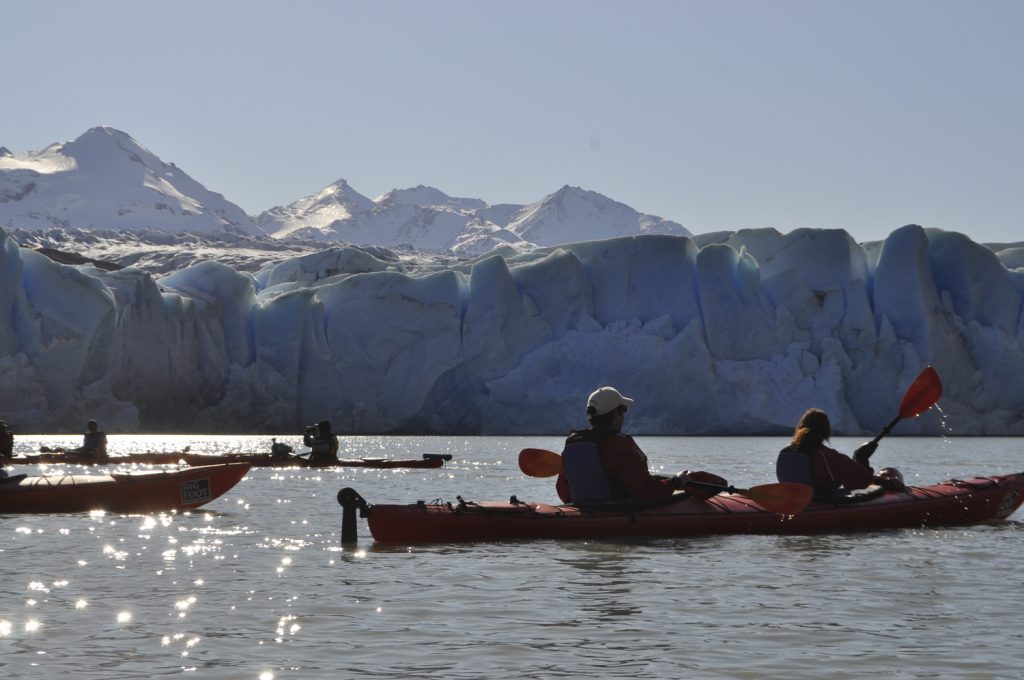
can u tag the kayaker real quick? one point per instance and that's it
(807, 460)
(6, 448)
(601, 464)
(6, 443)
(322, 443)
(280, 450)
(94, 443)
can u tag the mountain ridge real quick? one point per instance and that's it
(105, 179)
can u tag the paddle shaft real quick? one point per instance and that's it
(887, 429)
(718, 487)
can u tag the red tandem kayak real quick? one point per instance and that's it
(428, 461)
(955, 502)
(140, 492)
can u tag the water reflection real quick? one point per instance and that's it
(258, 585)
(604, 579)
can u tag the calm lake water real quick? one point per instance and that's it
(256, 585)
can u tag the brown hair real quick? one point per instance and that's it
(812, 431)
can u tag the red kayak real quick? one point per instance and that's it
(955, 502)
(133, 493)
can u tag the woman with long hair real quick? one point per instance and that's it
(808, 460)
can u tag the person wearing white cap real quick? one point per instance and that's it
(601, 465)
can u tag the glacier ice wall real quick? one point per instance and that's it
(735, 333)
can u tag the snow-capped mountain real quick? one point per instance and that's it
(573, 214)
(316, 213)
(105, 179)
(427, 218)
(429, 197)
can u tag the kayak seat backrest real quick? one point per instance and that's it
(794, 467)
(585, 473)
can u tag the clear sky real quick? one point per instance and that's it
(718, 114)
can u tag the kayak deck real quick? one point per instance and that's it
(954, 502)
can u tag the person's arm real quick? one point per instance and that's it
(848, 472)
(628, 464)
(562, 487)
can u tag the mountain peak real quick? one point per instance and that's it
(576, 214)
(428, 197)
(100, 148)
(106, 179)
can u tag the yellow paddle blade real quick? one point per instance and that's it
(540, 462)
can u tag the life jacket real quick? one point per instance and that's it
(794, 467)
(585, 473)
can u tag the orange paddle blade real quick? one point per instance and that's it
(784, 498)
(922, 394)
(540, 462)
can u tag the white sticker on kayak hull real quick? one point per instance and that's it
(195, 491)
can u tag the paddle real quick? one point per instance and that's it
(784, 498)
(921, 396)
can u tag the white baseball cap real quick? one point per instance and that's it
(605, 400)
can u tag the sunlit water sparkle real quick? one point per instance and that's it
(256, 585)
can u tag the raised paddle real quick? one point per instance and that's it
(921, 396)
(784, 498)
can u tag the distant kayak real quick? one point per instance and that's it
(955, 502)
(137, 492)
(428, 460)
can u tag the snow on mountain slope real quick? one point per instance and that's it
(426, 218)
(572, 214)
(429, 197)
(421, 217)
(105, 179)
(315, 213)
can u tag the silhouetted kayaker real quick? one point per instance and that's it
(94, 443)
(6, 447)
(601, 464)
(322, 443)
(6, 443)
(807, 460)
(280, 450)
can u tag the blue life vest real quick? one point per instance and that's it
(585, 473)
(794, 467)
